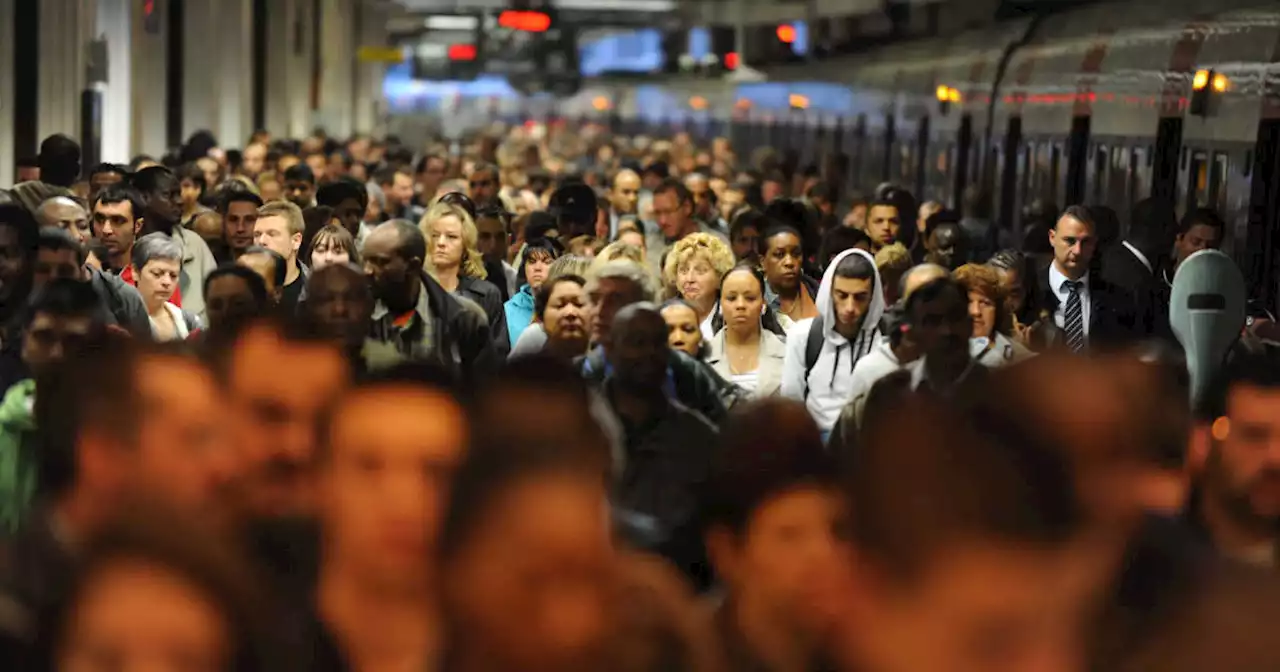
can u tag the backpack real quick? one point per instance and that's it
(812, 350)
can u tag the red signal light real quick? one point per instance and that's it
(731, 60)
(462, 52)
(529, 22)
(786, 33)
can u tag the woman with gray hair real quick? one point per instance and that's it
(157, 264)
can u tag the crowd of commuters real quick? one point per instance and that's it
(565, 401)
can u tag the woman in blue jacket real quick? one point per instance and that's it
(534, 264)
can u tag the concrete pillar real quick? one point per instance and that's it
(370, 107)
(66, 27)
(7, 58)
(337, 66)
(114, 24)
(288, 68)
(150, 79)
(217, 86)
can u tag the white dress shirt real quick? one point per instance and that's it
(1056, 284)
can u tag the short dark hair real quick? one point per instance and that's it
(69, 404)
(885, 203)
(193, 553)
(150, 178)
(768, 447)
(939, 218)
(19, 218)
(421, 166)
(988, 481)
(300, 173)
(122, 171)
(257, 286)
(838, 239)
(1242, 369)
(544, 292)
(120, 193)
(1081, 214)
(823, 190)
(230, 196)
(748, 219)
(334, 193)
(56, 239)
(65, 297)
(856, 266)
(192, 172)
(1152, 223)
(282, 267)
(931, 291)
(59, 160)
(775, 230)
(1202, 217)
(672, 185)
(388, 175)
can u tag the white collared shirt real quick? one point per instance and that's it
(1056, 284)
(1141, 257)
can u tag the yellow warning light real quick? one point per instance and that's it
(944, 93)
(1201, 80)
(953, 95)
(600, 103)
(698, 103)
(1220, 83)
(798, 101)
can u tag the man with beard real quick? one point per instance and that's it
(1238, 504)
(161, 193)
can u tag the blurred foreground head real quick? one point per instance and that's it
(967, 536)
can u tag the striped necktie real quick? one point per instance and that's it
(1073, 316)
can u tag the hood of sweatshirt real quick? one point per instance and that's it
(826, 307)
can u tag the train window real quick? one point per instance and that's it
(1197, 191)
(1117, 196)
(1217, 197)
(1098, 176)
(1026, 164)
(1056, 176)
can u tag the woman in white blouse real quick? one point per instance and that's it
(749, 345)
(157, 264)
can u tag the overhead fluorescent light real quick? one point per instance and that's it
(451, 22)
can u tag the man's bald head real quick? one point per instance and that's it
(918, 276)
(637, 347)
(66, 214)
(625, 194)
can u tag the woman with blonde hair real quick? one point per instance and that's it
(455, 262)
(693, 268)
(990, 343)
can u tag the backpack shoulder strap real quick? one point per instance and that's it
(812, 349)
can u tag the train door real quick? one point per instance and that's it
(960, 166)
(1264, 214)
(889, 162)
(1164, 163)
(1013, 162)
(1077, 161)
(922, 159)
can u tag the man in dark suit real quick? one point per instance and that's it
(1088, 312)
(1135, 264)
